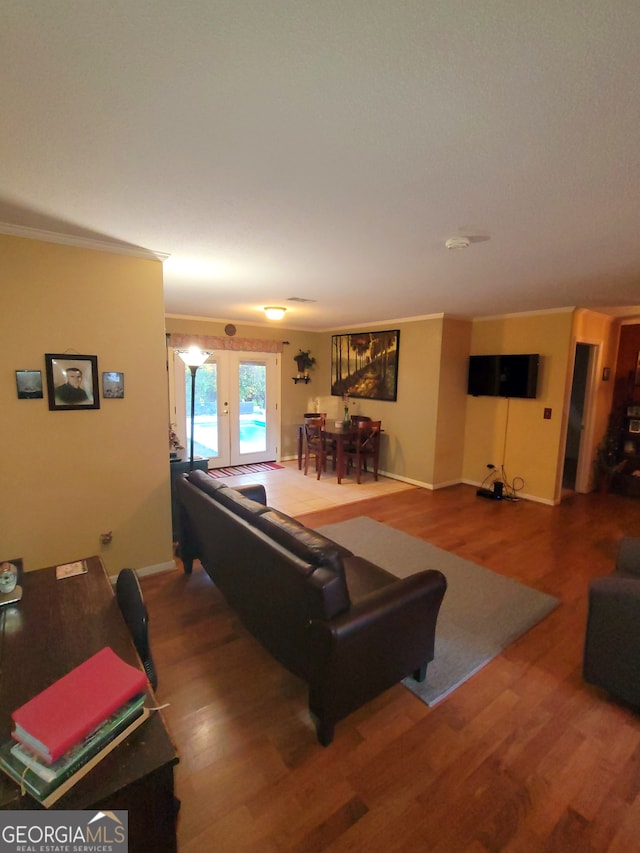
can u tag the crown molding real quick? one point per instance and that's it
(80, 242)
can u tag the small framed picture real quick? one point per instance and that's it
(633, 411)
(10, 574)
(634, 426)
(72, 381)
(29, 384)
(113, 385)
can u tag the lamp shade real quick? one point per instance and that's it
(194, 356)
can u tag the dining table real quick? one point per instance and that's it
(336, 431)
(342, 435)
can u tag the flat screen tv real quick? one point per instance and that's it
(503, 375)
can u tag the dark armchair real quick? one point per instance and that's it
(612, 642)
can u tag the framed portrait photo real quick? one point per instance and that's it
(72, 381)
(113, 385)
(29, 384)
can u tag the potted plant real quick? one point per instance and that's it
(174, 442)
(304, 360)
(608, 461)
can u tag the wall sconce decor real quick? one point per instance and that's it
(304, 361)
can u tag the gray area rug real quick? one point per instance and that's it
(482, 611)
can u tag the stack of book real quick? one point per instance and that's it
(63, 732)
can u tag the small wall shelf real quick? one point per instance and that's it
(304, 379)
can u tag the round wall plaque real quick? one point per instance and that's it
(230, 330)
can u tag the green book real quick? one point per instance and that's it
(89, 744)
(75, 767)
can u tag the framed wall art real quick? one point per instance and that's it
(72, 381)
(113, 385)
(29, 384)
(365, 365)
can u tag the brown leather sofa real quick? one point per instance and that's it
(348, 628)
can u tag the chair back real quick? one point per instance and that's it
(356, 419)
(134, 612)
(313, 431)
(367, 439)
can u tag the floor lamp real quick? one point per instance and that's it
(193, 358)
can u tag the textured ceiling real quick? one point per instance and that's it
(326, 149)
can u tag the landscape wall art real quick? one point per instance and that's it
(365, 365)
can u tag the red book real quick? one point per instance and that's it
(56, 719)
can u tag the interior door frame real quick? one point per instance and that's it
(584, 463)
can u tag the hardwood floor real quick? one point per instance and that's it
(523, 757)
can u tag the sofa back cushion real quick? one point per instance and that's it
(236, 502)
(302, 541)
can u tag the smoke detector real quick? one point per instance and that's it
(458, 243)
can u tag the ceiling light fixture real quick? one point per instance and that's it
(274, 312)
(458, 243)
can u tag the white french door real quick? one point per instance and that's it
(236, 417)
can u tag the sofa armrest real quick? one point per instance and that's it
(388, 635)
(612, 640)
(628, 558)
(253, 491)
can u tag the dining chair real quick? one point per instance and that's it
(134, 612)
(366, 445)
(356, 419)
(315, 445)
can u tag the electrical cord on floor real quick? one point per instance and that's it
(511, 489)
(489, 479)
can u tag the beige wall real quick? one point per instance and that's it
(514, 432)
(452, 401)
(424, 427)
(69, 476)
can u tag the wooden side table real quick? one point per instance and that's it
(178, 467)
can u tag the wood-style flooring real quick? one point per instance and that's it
(523, 757)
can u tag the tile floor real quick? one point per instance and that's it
(294, 494)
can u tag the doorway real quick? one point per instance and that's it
(236, 411)
(576, 473)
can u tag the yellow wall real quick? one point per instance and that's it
(452, 401)
(513, 432)
(69, 476)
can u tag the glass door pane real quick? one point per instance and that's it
(252, 393)
(206, 441)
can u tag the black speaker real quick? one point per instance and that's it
(497, 490)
